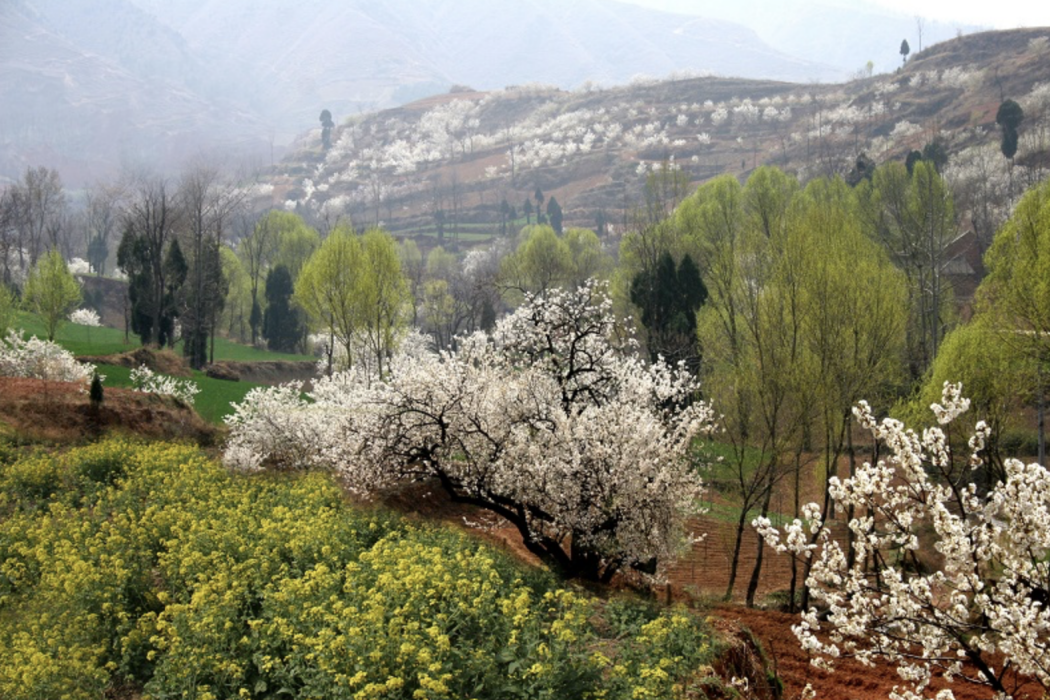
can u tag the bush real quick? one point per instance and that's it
(146, 380)
(40, 359)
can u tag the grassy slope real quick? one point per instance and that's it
(213, 401)
(84, 340)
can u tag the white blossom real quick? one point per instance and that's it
(551, 422)
(41, 359)
(85, 317)
(147, 381)
(984, 601)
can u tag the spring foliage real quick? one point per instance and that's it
(551, 423)
(151, 567)
(983, 606)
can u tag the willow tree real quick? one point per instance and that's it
(805, 316)
(1015, 296)
(913, 217)
(353, 289)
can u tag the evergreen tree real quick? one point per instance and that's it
(554, 215)
(326, 129)
(1009, 118)
(669, 298)
(282, 326)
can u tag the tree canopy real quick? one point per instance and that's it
(51, 291)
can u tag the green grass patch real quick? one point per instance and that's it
(85, 340)
(213, 401)
(79, 340)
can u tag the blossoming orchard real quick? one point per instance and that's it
(551, 423)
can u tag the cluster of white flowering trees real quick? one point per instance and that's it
(550, 422)
(149, 382)
(981, 615)
(40, 359)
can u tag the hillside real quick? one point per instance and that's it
(92, 88)
(462, 153)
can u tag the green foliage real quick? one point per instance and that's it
(353, 288)
(51, 291)
(95, 393)
(1009, 118)
(543, 260)
(669, 298)
(997, 378)
(150, 565)
(1016, 292)
(8, 306)
(282, 327)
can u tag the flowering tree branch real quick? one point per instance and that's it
(981, 615)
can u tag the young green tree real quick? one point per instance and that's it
(353, 288)
(237, 308)
(387, 297)
(905, 50)
(913, 217)
(51, 291)
(328, 289)
(541, 262)
(1015, 296)
(8, 305)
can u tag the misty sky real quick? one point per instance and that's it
(1000, 15)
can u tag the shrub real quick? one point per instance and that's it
(85, 317)
(146, 380)
(41, 359)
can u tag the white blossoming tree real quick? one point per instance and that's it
(551, 423)
(981, 615)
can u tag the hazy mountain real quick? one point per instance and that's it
(89, 92)
(364, 54)
(89, 84)
(845, 34)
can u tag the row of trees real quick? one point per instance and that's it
(170, 250)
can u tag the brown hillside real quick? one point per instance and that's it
(592, 149)
(60, 411)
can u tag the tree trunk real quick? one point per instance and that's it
(738, 540)
(752, 586)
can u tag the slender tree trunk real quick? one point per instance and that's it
(752, 586)
(851, 551)
(738, 541)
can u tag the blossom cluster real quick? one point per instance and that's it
(550, 422)
(85, 317)
(40, 359)
(146, 380)
(981, 613)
